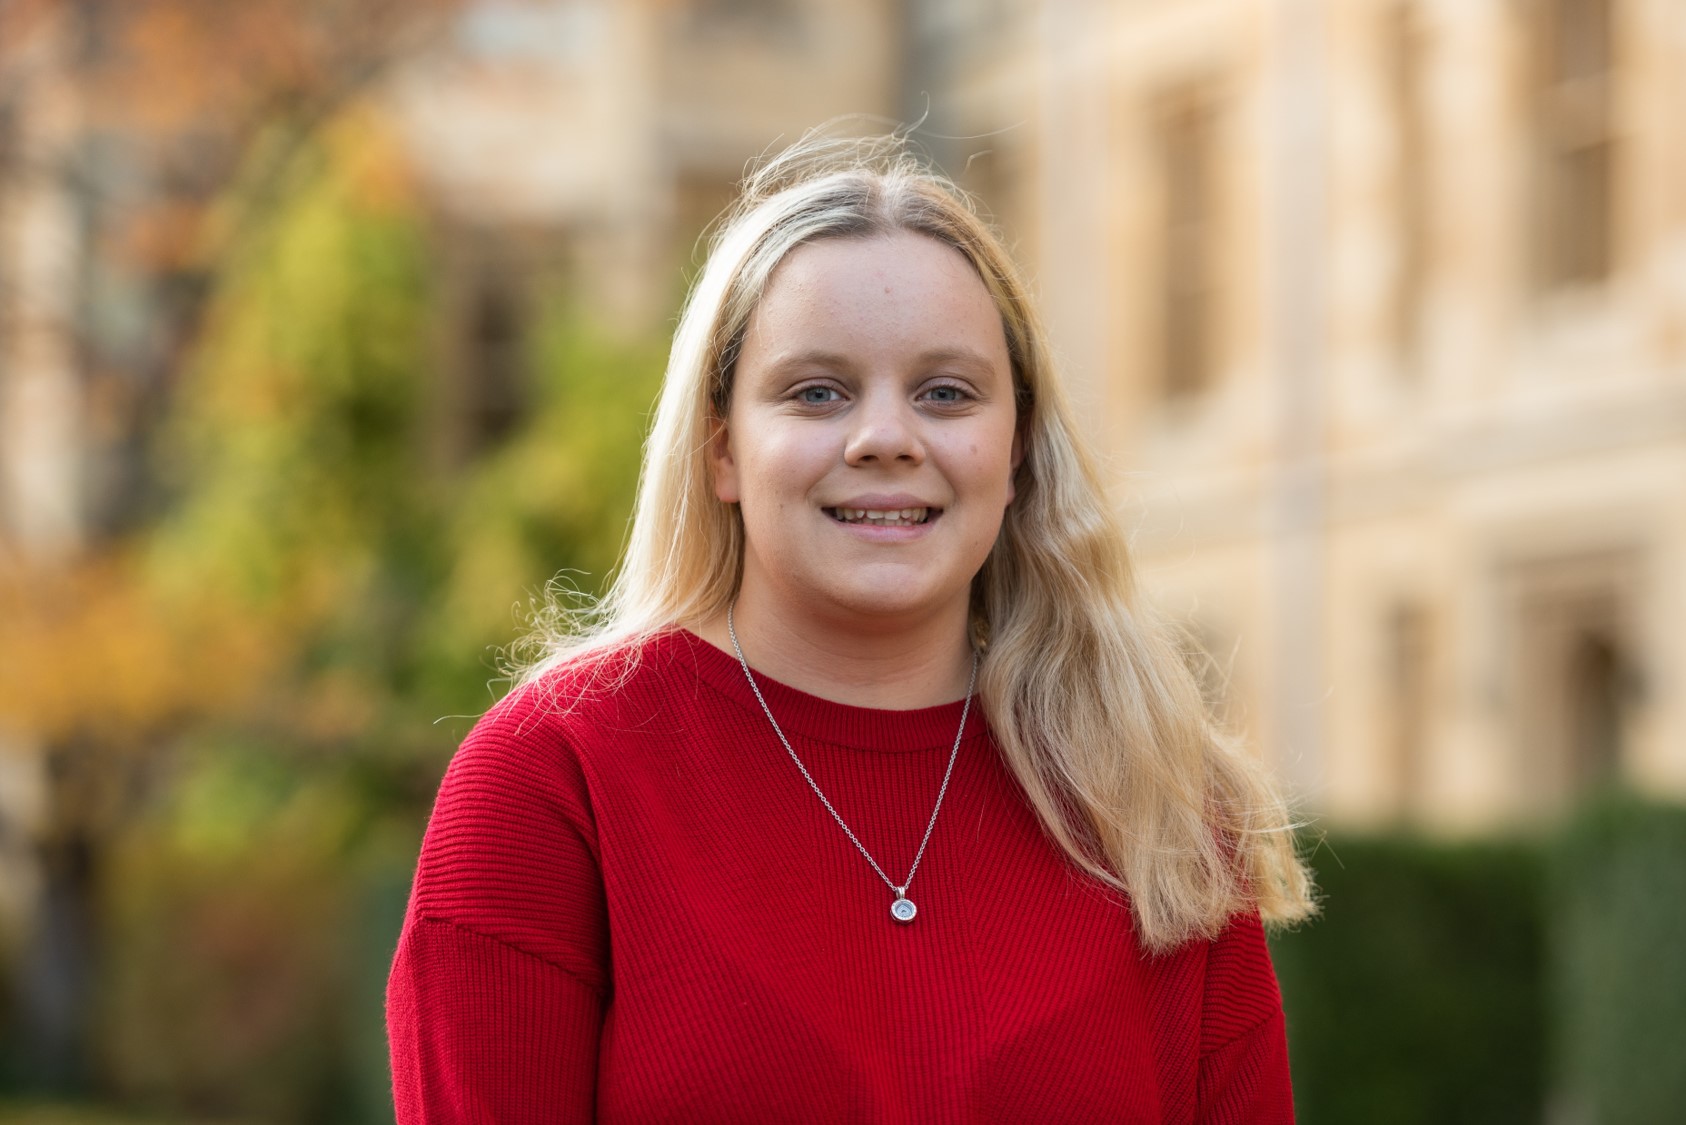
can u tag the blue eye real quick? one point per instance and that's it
(817, 395)
(947, 393)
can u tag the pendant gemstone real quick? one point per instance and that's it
(903, 910)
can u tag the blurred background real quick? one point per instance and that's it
(328, 331)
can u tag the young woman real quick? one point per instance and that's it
(870, 793)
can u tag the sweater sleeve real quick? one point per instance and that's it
(498, 989)
(1243, 1075)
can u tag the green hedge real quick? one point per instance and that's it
(1416, 996)
(1618, 956)
(1499, 981)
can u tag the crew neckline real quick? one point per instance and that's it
(825, 720)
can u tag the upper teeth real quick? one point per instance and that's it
(887, 515)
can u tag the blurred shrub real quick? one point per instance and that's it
(76, 1113)
(1417, 996)
(1618, 954)
(299, 508)
(310, 506)
(556, 497)
(253, 906)
(234, 915)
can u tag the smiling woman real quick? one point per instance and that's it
(875, 621)
(870, 446)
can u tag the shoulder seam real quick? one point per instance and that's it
(573, 975)
(1247, 1033)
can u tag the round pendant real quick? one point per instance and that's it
(903, 910)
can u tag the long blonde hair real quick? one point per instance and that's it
(1089, 698)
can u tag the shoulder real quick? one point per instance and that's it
(586, 713)
(512, 850)
(1227, 978)
(532, 753)
(600, 694)
(1241, 990)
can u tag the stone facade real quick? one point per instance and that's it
(1379, 304)
(619, 129)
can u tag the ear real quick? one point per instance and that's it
(721, 461)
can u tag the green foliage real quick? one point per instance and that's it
(299, 515)
(308, 505)
(291, 447)
(252, 911)
(62, 1113)
(227, 965)
(1619, 971)
(1417, 996)
(554, 500)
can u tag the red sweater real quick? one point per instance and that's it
(630, 907)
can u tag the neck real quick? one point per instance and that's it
(894, 667)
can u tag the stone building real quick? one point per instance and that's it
(1380, 306)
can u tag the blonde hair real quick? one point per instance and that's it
(1088, 696)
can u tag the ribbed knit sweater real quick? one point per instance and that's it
(630, 907)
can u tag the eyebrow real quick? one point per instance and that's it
(837, 360)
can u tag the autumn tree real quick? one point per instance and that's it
(189, 121)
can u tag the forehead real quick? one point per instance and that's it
(879, 294)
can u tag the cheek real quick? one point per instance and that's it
(779, 472)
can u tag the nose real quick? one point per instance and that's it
(885, 429)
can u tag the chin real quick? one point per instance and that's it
(876, 601)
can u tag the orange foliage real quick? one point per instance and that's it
(89, 652)
(190, 65)
(88, 649)
(162, 238)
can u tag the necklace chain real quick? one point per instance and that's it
(901, 890)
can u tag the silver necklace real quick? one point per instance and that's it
(902, 909)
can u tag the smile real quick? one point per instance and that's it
(888, 517)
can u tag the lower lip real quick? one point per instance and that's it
(879, 533)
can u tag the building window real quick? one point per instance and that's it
(1597, 677)
(495, 372)
(512, 32)
(1405, 52)
(486, 339)
(1187, 134)
(778, 20)
(9, 154)
(700, 197)
(993, 179)
(1573, 63)
(1578, 674)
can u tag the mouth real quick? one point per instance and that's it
(884, 517)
